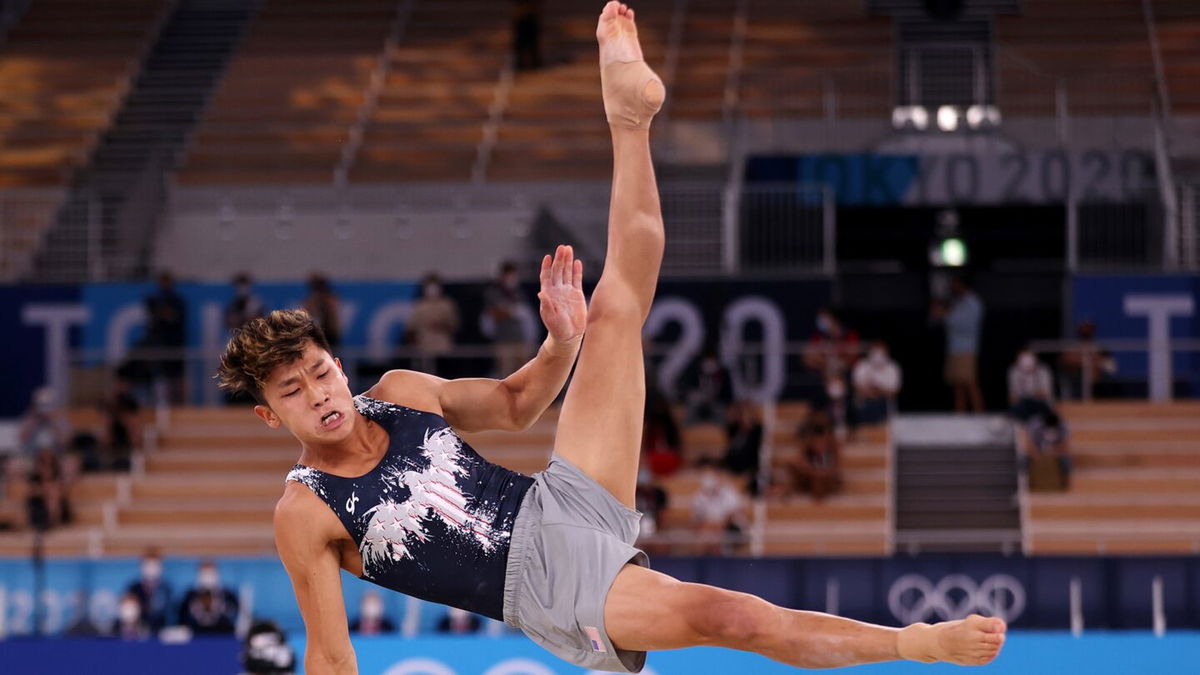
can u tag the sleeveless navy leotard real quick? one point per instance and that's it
(433, 519)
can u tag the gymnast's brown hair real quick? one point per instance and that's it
(263, 344)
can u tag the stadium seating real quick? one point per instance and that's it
(65, 67)
(211, 487)
(1098, 50)
(1178, 24)
(553, 126)
(1135, 484)
(797, 55)
(292, 93)
(433, 105)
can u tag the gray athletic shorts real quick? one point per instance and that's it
(569, 541)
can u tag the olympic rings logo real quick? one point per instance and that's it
(914, 598)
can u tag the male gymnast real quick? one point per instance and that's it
(386, 489)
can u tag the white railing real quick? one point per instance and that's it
(491, 127)
(375, 86)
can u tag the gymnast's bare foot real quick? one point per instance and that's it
(632, 92)
(973, 641)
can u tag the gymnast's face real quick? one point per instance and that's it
(311, 398)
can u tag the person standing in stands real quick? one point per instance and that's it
(322, 305)
(166, 335)
(432, 325)
(244, 306)
(963, 318)
(505, 316)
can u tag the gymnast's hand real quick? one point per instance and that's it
(563, 307)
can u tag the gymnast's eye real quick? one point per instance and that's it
(323, 374)
(291, 393)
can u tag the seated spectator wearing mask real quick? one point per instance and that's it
(717, 510)
(44, 426)
(48, 501)
(817, 468)
(371, 619)
(877, 381)
(208, 608)
(130, 624)
(459, 622)
(1030, 387)
(152, 592)
(708, 391)
(1049, 439)
(651, 499)
(745, 433)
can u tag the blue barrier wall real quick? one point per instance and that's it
(1029, 592)
(208, 656)
(1024, 654)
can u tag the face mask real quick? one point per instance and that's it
(644, 475)
(372, 608)
(824, 324)
(129, 611)
(837, 389)
(208, 578)
(151, 570)
(433, 291)
(1026, 361)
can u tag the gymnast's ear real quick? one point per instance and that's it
(268, 416)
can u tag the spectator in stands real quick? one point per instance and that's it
(1049, 439)
(651, 499)
(963, 318)
(1084, 364)
(744, 429)
(152, 592)
(371, 619)
(244, 306)
(209, 608)
(44, 425)
(708, 390)
(166, 314)
(816, 469)
(48, 492)
(831, 352)
(662, 443)
(717, 511)
(832, 346)
(504, 321)
(1030, 387)
(459, 622)
(322, 305)
(527, 34)
(432, 325)
(122, 426)
(877, 381)
(131, 624)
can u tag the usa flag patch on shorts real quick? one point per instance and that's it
(594, 637)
